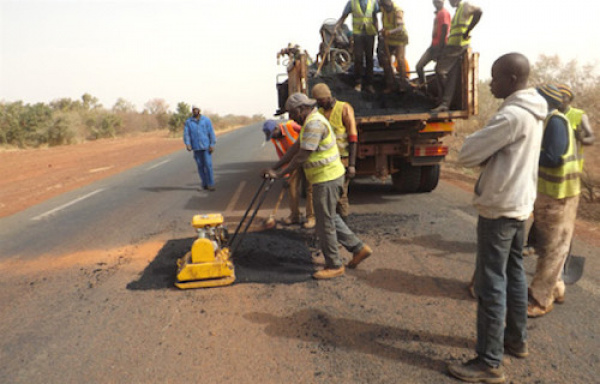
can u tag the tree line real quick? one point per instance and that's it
(66, 121)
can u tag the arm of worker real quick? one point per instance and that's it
(350, 123)
(399, 22)
(211, 136)
(342, 19)
(483, 144)
(186, 136)
(375, 12)
(476, 12)
(554, 143)
(584, 132)
(444, 34)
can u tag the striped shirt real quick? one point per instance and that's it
(314, 132)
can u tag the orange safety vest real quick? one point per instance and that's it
(289, 138)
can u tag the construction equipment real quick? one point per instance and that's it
(573, 268)
(209, 262)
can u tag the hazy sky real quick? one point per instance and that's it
(221, 54)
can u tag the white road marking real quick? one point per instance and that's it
(236, 197)
(52, 211)
(157, 165)
(95, 170)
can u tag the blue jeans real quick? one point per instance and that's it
(330, 226)
(204, 162)
(501, 287)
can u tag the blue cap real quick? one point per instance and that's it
(268, 127)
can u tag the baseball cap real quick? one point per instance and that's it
(299, 100)
(268, 127)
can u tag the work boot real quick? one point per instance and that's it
(310, 223)
(477, 371)
(329, 273)
(211, 188)
(359, 256)
(358, 87)
(291, 220)
(518, 350)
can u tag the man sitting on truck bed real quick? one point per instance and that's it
(448, 68)
(341, 118)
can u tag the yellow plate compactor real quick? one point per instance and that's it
(208, 263)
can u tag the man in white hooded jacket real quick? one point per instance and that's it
(507, 150)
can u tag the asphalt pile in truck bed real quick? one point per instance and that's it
(377, 104)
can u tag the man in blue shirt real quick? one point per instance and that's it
(199, 136)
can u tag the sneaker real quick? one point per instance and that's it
(358, 87)
(310, 223)
(440, 108)
(359, 256)
(517, 350)
(291, 220)
(477, 371)
(329, 273)
(535, 310)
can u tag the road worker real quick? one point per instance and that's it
(364, 30)
(283, 135)
(341, 117)
(393, 39)
(448, 68)
(318, 154)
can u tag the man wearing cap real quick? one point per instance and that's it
(579, 121)
(199, 136)
(364, 30)
(318, 154)
(283, 136)
(341, 117)
(448, 68)
(559, 187)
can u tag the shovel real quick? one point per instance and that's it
(573, 268)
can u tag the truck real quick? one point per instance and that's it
(398, 135)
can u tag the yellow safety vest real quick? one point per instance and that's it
(324, 163)
(389, 23)
(458, 28)
(362, 19)
(574, 116)
(341, 134)
(563, 181)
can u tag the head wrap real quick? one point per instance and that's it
(565, 90)
(321, 91)
(268, 127)
(299, 100)
(551, 93)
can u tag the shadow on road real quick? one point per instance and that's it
(331, 333)
(269, 257)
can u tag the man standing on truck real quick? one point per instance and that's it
(448, 68)
(341, 117)
(317, 153)
(441, 26)
(559, 188)
(283, 136)
(392, 42)
(507, 150)
(364, 30)
(199, 136)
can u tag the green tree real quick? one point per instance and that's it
(123, 106)
(177, 119)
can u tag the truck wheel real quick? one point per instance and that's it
(430, 176)
(408, 180)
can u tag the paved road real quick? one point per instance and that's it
(116, 318)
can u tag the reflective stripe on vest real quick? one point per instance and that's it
(362, 20)
(574, 116)
(289, 138)
(324, 163)
(335, 119)
(563, 181)
(389, 23)
(458, 28)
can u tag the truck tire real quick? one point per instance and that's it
(408, 180)
(430, 176)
